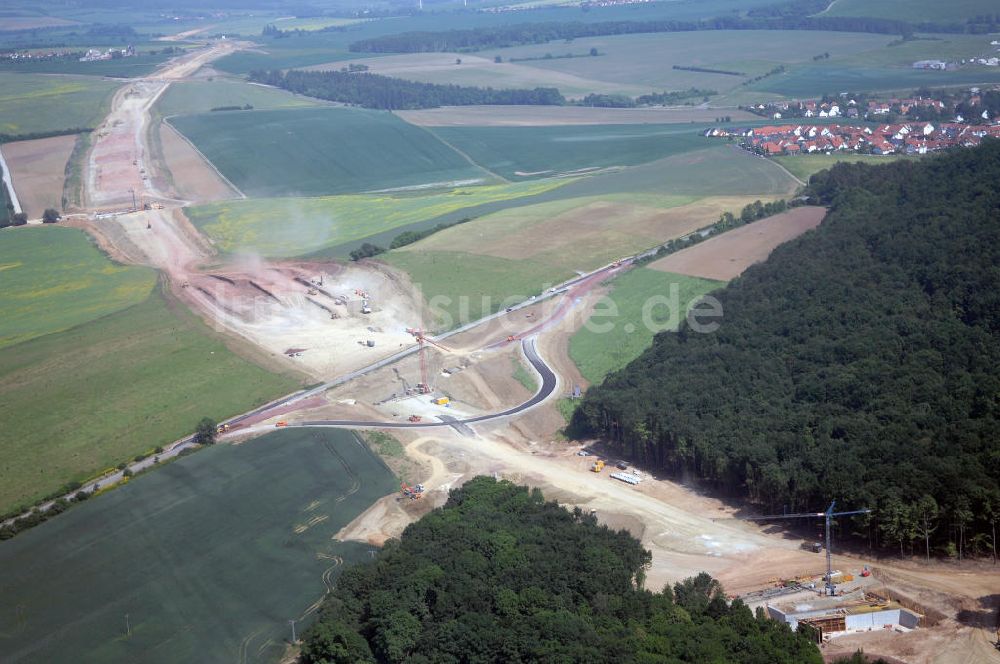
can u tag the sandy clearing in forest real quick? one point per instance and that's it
(194, 178)
(38, 169)
(542, 116)
(727, 256)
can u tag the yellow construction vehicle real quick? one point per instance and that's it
(597, 467)
(441, 401)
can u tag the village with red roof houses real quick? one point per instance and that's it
(899, 138)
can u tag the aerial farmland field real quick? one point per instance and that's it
(201, 96)
(209, 556)
(477, 268)
(645, 61)
(319, 151)
(124, 384)
(525, 152)
(297, 226)
(916, 10)
(39, 171)
(643, 302)
(812, 81)
(31, 103)
(805, 166)
(717, 170)
(55, 278)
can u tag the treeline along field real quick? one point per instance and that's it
(859, 363)
(387, 93)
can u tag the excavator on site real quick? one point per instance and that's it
(413, 493)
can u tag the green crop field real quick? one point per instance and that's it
(472, 269)
(642, 302)
(805, 166)
(913, 10)
(55, 278)
(298, 226)
(522, 152)
(318, 151)
(209, 556)
(139, 65)
(645, 61)
(810, 81)
(201, 96)
(462, 287)
(80, 401)
(35, 103)
(714, 171)
(477, 268)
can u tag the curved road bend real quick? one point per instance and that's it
(549, 384)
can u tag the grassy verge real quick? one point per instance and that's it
(642, 302)
(524, 376)
(72, 196)
(83, 400)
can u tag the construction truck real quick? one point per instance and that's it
(412, 493)
(282, 423)
(415, 418)
(441, 401)
(222, 428)
(597, 467)
(365, 309)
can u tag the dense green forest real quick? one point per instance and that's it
(384, 92)
(861, 363)
(500, 575)
(503, 36)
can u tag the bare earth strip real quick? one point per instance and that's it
(728, 255)
(193, 177)
(38, 169)
(538, 116)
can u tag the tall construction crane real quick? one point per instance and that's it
(424, 387)
(827, 515)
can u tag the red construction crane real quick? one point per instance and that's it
(424, 386)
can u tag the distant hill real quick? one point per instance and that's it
(861, 362)
(500, 575)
